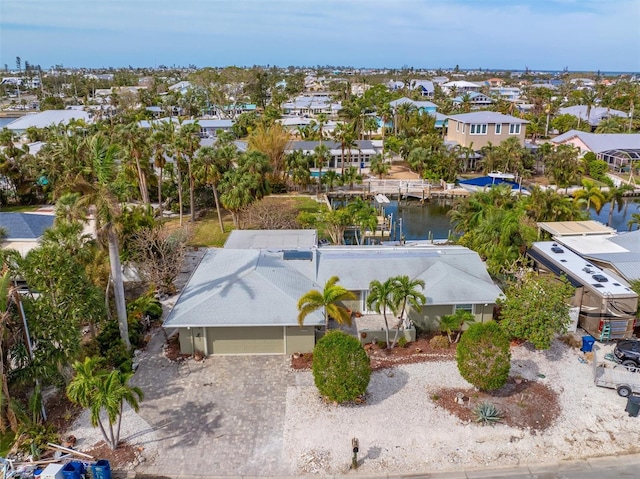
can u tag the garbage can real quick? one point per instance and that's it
(587, 344)
(72, 470)
(633, 406)
(101, 469)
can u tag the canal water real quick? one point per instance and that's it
(431, 221)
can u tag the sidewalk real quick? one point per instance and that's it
(608, 467)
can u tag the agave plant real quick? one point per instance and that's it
(487, 413)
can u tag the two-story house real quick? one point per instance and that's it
(480, 128)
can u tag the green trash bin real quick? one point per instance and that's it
(101, 469)
(633, 406)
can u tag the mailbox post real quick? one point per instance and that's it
(354, 458)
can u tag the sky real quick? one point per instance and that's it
(582, 35)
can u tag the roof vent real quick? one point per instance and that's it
(596, 285)
(600, 278)
(617, 284)
(589, 265)
(557, 249)
(563, 260)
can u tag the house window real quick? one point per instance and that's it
(478, 129)
(498, 128)
(464, 307)
(463, 127)
(514, 129)
(457, 126)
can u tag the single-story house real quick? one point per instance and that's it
(242, 299)
(596, 113)
(617, 149)
(24, 230)
(46, 119)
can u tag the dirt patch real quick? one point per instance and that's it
(417, 351)
(523, 405)
(61, 412)
(172, 349)
(121, 458)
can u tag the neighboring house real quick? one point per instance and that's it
(422, 106)
(596, 114)
(181, 86)
(311, 105)
(510, 93)
(208, 128)
(359, 89)
(46, 119)
(617, 149)
(242, 299)
(583, 82)
(477, 100)
(361, 153)
(606, 306)
(24, 230)
(460, 86)
(440, 80)
(495, 82)
(425, 87)
(394, 85)
(480, 128)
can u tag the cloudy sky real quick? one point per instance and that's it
(509, 34)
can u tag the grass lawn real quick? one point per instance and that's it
(19, 208)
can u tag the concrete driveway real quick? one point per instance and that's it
(220, 417)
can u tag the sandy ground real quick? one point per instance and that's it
(400, 430)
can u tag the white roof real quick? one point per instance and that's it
(461, 84)
(48, 118)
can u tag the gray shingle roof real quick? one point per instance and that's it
(25, 226)
(486, 117)
(596, 114)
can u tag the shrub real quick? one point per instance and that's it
(402, 342)
(341, 367)
(483, 356)
(381, 344)
(439, 342)
(487, 413)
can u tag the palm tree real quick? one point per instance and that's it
(135, 146)
(405, 292)
(635, 220)
(321, 157)
(103, 391)
(364, 216)
(381, 297)
(379, 167)
(210, 164)
(187, 143)
(99, 194)
(451, 323)
(328, 300)
(591, 194)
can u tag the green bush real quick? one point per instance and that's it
(402, 342)
(483, 356)
(341, 367)
(381, 344)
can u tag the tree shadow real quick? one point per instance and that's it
(385, 383)
(189, 423)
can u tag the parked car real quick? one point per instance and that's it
(627, 352)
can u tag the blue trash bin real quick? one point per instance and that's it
(72, 470)
(101, 469)
(587, 344)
